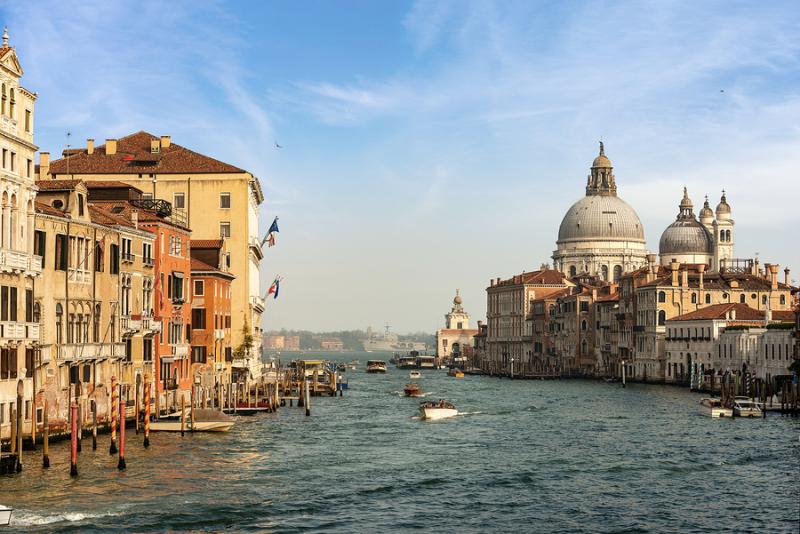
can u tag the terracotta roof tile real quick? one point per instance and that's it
(47, 209)
(57, 185)
(720, 311)
(133, 156)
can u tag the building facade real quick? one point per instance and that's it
(454, 341)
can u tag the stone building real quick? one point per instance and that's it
(20, 267)
(455, 340)
(93, 302)
(728, 337)
(600, 234)
(213, 198)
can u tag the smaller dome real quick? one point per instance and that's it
(685, 236)
(723, 207)
(686, 202)
(457, 300)
(706, 215)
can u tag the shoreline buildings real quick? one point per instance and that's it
(608, 302)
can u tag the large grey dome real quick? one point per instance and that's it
(685, 236)
(601, 217)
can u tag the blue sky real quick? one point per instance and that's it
(430, 146)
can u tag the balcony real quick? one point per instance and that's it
(257, 303)
(255, 246)
(76, 352)
(180, 350)
(127, 257)
(219, 334)
(151, 325)
(16, 261)
(15, 331)
(130, 325)
(240, 362)
(80, 276)
(148, 262)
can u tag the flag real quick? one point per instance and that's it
(275, 287)
(270, 237)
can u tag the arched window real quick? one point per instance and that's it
(764, 300)
(728, 236)
(617, 272)
(583, 325)
(12, 102)
(742, 298)
(662, 297)
(662, 318)
(604, 272)
(783, 300)
(96, 324)
(708, 298)
(722, 235)
(694, 298)
(3, 100)
(59, 324)
(37, 312)
(572, 270)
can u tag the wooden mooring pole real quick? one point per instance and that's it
(112, 449)
(94, 424)
(122, 409)
(45, 437)
(147, 412)
(183, 414)
(73, 464)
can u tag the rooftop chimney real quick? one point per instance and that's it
(701, 269)
(135, 218)
(733, 313)
(166, 141)
(44, 165)
(773, 275)
(674, 266)
(90, 146)
(155, 146)
(685, 278)
(111, 147)
(786, 276)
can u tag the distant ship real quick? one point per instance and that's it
(389, 342)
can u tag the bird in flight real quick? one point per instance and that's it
(277, 145)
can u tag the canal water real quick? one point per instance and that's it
(525, 456)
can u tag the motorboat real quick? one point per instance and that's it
(342, 367)
(715, 408)
(435, 410)
(455, 373)
(426, 362)
(406, 362)
(354, 365)
(5, 515)
(413, 390)
(205, 420)
(376, 366)
(415, 375)
(744, 407)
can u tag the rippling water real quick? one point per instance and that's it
(531, 456)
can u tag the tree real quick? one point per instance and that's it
(243, 350)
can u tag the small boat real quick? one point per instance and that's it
(715, 408)
(376, 366)
(744, 407)
(415, 375)
(456, 373)
(354, 365)
(5, 515)
(205, 421)
(434, 410)
(413, 390)
(341, 367)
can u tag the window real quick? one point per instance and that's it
(113, 266)
(662, 318)
(227, 321)
(147, 350)
(199, 354)
(13, 162)
(783, 300)
(225, 201)
(147, 253)
(127, 254)
(573, 271)
(98, 256)
(29, 306)
(175, 287)
(80, 204)
(199, 288)
(764, 300)
(694, 298)
(742, 298)
(27, 120)
(179, 201)
(29, 169)
(199, 318)
(8, 363)
(662, 297)
(224, 229)
(8, 303)
(60, 260)
(175, 245)
(708, 298)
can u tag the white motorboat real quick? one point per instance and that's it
(435, 410)
(744, 407)
(205, 421)
(715, 408)
(414, 374)
(5, 515)
(376, 366)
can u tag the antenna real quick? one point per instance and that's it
(69, 134)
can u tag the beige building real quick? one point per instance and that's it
(94, 302)
(19, 266)
(454, 341)
(215, 198)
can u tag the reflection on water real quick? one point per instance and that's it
(541, 456)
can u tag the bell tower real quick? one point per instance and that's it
(723, 232)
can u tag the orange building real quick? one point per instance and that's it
(212, 353)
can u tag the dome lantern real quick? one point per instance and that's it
(601, 178)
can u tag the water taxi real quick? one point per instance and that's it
(5, 515)
(426, 362)
(376, 366)
(414, 375)
(413, 390)
(406, 362)
(435, 410)
(205, 420)
(715, 408)
(456, 373)
(744, 407)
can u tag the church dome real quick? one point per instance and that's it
(723, 208)
(686, 236)
(598, 217)
(706, 215)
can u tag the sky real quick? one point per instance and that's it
(434, 145)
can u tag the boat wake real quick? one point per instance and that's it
(22, 518)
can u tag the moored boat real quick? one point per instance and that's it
(715, 408)
(376, 366)
(434, 410)
(455, 373)
(5, 515)
(413, 390)
(205, 421)
(414, 375)
(744, 407)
